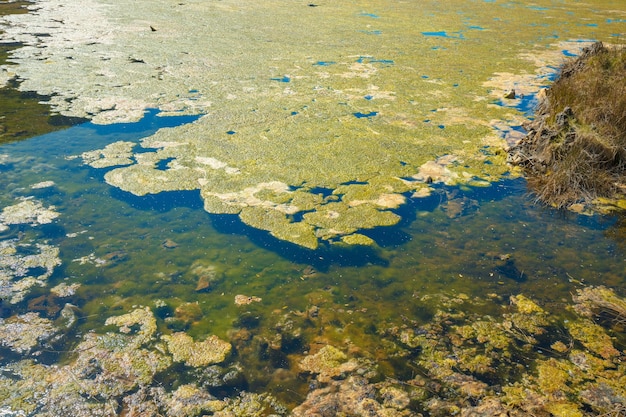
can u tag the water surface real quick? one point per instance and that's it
(346, 114)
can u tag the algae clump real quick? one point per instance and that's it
(328, 363)
(207, 352)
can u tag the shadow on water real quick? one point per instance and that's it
(327, 254)
(321, 259)
(161, 202)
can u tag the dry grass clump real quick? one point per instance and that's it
(575, 149)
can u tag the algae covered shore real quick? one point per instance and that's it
(287, 208)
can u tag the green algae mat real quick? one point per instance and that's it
(366, 251)
(317, 119)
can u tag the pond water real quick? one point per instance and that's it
(125, 251)
(402, 314)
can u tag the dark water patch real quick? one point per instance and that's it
(283, 79)
(355, 182)
(161, 202)
(369, 115)
(321, 259)
(324, 63)
(393, 236)
(24, 116)
(519, 129)
(10, 233)
(325, 192)
(390, 236)
(526, 103)
(149, 124)
(163, 164)
(89, 136)
(372, 60)
(52, 230)
(444, 34)
(372, 15)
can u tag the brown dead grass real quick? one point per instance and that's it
(576, 147)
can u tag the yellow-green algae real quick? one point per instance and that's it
(24, 114)
(352, 96)
(25, 265)
(460, 361)
(562, 383)
(23, 333)
(185, 349)
(329, 362)
(116, 369)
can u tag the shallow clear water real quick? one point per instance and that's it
(450, 243)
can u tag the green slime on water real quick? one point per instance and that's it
(273, 115)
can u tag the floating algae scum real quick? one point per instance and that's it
(22, 114)
(364, 239)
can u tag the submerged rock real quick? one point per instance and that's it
(601, 303)
(242, 300)
(354, 396)
(169, 244)
(207, 276)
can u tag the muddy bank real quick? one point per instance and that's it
(574, 154)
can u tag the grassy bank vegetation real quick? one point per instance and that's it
(575, 149)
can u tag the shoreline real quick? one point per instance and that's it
(574, 154)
